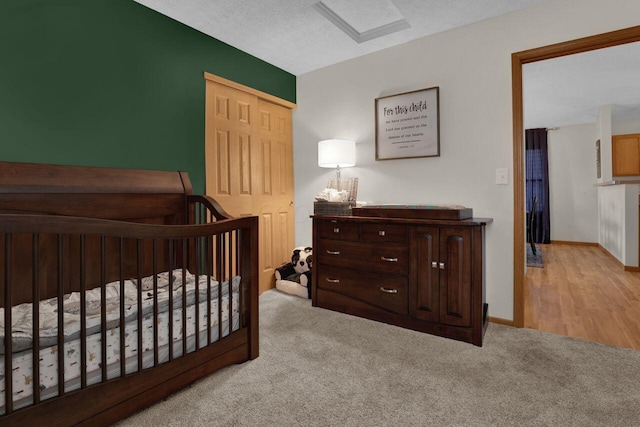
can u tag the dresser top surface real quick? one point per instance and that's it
(470, 222)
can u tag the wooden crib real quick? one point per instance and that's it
(152, 288)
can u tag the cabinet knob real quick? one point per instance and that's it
(333, 252)
(332, 280)
(434, 264)
(336, 230)
(389, 259)
(388, 290)
(441, 265)
(382, 233)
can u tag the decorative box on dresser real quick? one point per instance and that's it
(393, 266)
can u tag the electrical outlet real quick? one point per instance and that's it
(502, 176)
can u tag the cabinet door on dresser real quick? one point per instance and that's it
(440, 287)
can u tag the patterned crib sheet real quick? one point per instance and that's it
(48, 357)
(22, 317)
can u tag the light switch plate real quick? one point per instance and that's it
(502, 176)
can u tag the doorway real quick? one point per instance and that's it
(518, 59)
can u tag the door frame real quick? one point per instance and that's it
(518, 59)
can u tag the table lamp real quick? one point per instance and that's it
(336, 153)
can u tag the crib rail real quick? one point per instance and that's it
(48, 259)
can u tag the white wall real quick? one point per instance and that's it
(606, 147)
(472, 67)
(573, 200)
(623, 127)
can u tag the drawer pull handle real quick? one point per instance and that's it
(389, 259)
(332, 280)
(336, 230)
(388, 290)
(382, 233)
(333, 252)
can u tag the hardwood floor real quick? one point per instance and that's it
(582, 292)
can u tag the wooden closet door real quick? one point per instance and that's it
(231, 145)
(274, 200)
(249, 168)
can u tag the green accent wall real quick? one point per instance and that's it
(112, 83)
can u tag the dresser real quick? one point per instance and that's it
(422, 274)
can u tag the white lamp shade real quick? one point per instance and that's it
(334, 153)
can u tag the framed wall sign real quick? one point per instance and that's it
(408, 125)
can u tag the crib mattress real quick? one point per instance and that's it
(48, 356)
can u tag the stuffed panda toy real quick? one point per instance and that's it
(295, 277)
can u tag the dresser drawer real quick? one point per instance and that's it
(334, 229)
(392, 259)
(384, 233)
(379, 290)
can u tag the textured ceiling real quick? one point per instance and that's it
(570, 90)
(296, 36)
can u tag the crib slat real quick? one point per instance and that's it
(60, 300)
(122, 308)
(171, 300)
(103, 309)
(83, 314)
(8, 333)
(35, 334)
(139, 276)
(220, 279)
(184, 297)
(240, 293)
(155, 303)
(208, 260)
(230, 277)
(197, 272)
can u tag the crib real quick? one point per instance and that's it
(118, 287)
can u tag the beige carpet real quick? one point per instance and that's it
(321, 368)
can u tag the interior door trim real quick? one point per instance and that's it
(518, 59)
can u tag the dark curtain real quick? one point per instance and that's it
(537, 177)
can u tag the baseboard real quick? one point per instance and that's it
(625, 267)
(501, 321)
(566, 242)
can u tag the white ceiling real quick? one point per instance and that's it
(570, 90)
(297, 36)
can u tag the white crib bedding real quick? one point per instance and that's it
(22, 370)
(22, 319)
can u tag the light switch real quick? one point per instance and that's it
(502, 176)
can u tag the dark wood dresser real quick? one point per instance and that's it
(422, 274)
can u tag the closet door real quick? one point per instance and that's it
(273, 202)
(231, 148)
(249, 166)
